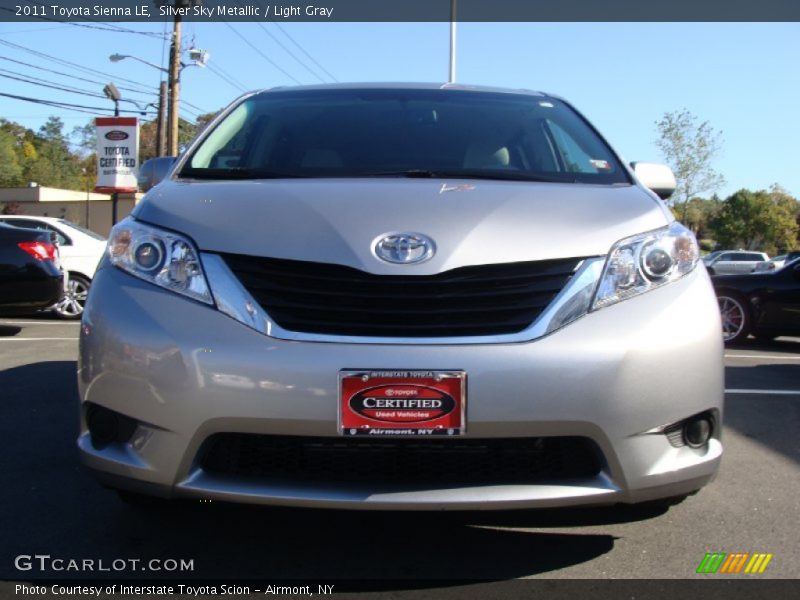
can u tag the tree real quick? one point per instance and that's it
(10, 169)
(11, 208)
(698, 213)
(757, 220)
(86, 138)
(55, 165)
(689, 148)
(204, 119)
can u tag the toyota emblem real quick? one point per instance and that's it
(404, 248)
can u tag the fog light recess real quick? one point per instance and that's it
(697, 432)
(106, 426)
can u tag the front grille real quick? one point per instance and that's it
(333, 299)
(400, 461)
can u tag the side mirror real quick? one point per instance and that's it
(153, 171)
(656, 177)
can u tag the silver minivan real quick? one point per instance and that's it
(413, 296)
(733, 262)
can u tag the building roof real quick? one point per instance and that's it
(46, 194)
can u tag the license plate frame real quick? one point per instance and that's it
(404, 403)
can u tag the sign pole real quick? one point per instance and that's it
(115, 195)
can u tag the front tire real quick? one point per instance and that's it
(71, 305)
(735, 317)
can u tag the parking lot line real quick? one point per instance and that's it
(765, 392)
(773, 356)
(36, 339)
(3, 322)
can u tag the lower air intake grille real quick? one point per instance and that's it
(333, 299)
(449, 461)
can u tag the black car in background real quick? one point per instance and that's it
(31, 277)
(765, 305)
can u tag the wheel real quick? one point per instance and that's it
(71, 305)
(735, 318)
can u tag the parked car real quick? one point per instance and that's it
(402, 297)
(732, 262)
(30, 274)
(777, 262)
(765, 305)
(80, 250)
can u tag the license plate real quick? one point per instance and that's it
(402, 403)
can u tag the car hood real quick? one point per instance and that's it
(339, 220)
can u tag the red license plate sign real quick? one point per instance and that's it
(402, 403)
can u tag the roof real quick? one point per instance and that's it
(406, 86)
(40, 193)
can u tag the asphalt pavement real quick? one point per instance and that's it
(50, 504)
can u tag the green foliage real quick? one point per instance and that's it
(762, 220)
(204, 119)
(707, 245)
(49, 160)
(698, 213)
(48, 157)
(689, 148)
(10, 167)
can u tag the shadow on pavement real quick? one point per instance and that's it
(783, 344)
(51, 505)
(9, 330)
(770, 420)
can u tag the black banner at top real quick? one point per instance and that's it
(398, 10)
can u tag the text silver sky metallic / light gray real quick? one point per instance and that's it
(298, 314)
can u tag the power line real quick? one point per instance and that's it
(289, 52)
(76, 77)
(70, 64)
(104, 27)
(226, 78)
(68, 89)
(264, 56)
(68, 106)
(303, 50)
(44, 82)
(37, 30)
(37, 81)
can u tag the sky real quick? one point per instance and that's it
(743, 78)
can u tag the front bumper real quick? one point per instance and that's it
(184, 372)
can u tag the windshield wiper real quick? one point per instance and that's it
(499, 174)
(237, 173)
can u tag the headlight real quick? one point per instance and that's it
(644, 262)
(161, 257)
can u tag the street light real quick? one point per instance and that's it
(112, 93)
(119, 57)
(199, 59)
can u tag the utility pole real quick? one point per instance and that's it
(173, 116)
(452, 78)
(161, 139)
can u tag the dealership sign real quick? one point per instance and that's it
(117, 154)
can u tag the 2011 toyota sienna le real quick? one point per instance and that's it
(402, 297)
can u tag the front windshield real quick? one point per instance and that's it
(401, 132)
